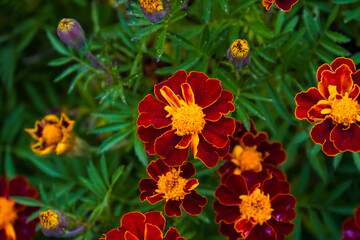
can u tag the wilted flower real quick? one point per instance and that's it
(13, 216)
(254, 206)
(152, 9)
(138, 226)
(52, 134)
(335, 105)
(252, 151)
(173, 185)
(284, 5)
(351, 227)
(71, 33)
(188, 112)
(239, 53)
(53, 224)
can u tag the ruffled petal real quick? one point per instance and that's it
(341, 78)
(134, 222)
(147, 188)
(285, 5)
(130, 236)
(276, 153)
(152, 112)
(320, 134)
(342, 60)
(228, 214)
(357, 217)
(172, 208)
(273, 186)
(304, 101)
(281, 228)
(249, 139)
(185, 142)
(115, 234)
(322, 68)
(207, 153)
(262, 232)
(244, 227)
(66, 122)
(254, 179)
(193, 203)
(315, 112)
(152, 232)
(356, 77)
(216, 133)
(221, 107)
(192, 184)
(346, 139)
(174, 83)
(187, 170)
(171, 234)
(187, 93)
(157, 168)
(229, 231)
(283, 205)
(149, 135)
(155, 198)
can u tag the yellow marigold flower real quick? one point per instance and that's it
(52, 134)
(239, 53)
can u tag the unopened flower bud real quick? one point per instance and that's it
(152, 9)
(52, 223)
(71, 33)
(239, 53)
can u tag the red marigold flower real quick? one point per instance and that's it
(251, 150)
(335, 105)
(255, 205)
(13, 216)
(189, 111)
(173, 184)
(138, 226)
(284, 5)
(351, 227)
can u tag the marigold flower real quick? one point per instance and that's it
(284, 5)
(239, 53)
(152, 9)
(173, 185)
(254, 206)
(334, 105)
(71, 33)
(251, 150)
(53, 224)
(52, 134)
(188, 112)
(138, 226)
(351, 227)
(13, 216)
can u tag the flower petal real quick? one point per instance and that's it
(157, 168)
(254, 179)
(283, 205)
(357, 216)
(350, 230)
(187, 93)
(277, 154)
(3, 186)
(149, 135)
(216, 133)
(285, 5)
(185, 142)
(244, 227)
(171, 234)
(193, 203)
(187, 170)
(273, 186)
(346, 139)
(315, 112)
(152, 112)
(172, 208)
(147, 188)
(134, 222)
(115, 234)
(234, 187)
(192, 184)
(152, 232)
(262, 232)
(322, 68)
(304, 101)
(229, 231)
(281, 228)
(228, 214)
(129, 236)
(221, 107)
(356, 77)
(155, 198)
(342, 60)
(207, 153)
(174, 83)
(320, 133)
(66, 122)
(249, 139)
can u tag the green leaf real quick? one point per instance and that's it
(60, 61)
(316, 223)
(28, 201)
(261, 30)
(338, 192)
(57, 45)
(255, 97)
(111, 127)
(146, 31)
(345, 1)
(206, 10)
(96, 178)
(67, 72)
(159, 45)
(140, 151)
(117, 174)
(103, 169)
(334, 48)
(337, 160)
(113, 140)
(9, 165)
(356, 159)
(337, 37)
(279, 22)
(224, 4)
(332, 17)
(76, 79)
(44, 165)
(356, 58)
(176, 16)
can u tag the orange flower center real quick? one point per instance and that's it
(343, 111)
(52, 134)
(65, 24)
(49, 219)
(151, 6)
(255, 207)
(246, 158)
(240, 48)
(172, 185)
(8, 215)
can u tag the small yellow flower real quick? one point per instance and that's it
(151, 6)
(240, 48)
(49, 219)
(52, 134)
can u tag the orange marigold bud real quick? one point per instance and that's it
(239, 53)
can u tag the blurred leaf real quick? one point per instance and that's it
(67, 72)
(159, 45)
(113, 140)
(140, 151)
(28, 201)
(146, 31)
(57, 45)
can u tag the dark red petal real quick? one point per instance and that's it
(3, 186)
(348, 139)
(174, 83)
(149, 135)
(226, 213)
(152, 112)
(244, 227)
(342, 60)
(275, 171)
(240, 129)
(206, 91)
(130, 236)
(304, 101)
(356, 77)
(315, 112)
(249, 139)
(273, 186)
(221, 107)
(320, 133)
(23, 230)
(226, 196)
(357, 216)
(216, 133)
(207, 153)
(115, 235)
(341, 78)
(134, 222)
(276, 153)
(350, 230)
(323, 67)
(191, 184)
(262, 232)
(157, 168)
(285, 5)
(147, 188)
(171, 234)
(229, 231)
(19, 187)
(165, 147)
(155, 198)
(254, 179)
(172, 208)
(184, 142)
(281, 228)
(187, 170)
(152, 232)
(355, 92)
(193, 203)
(283, 205)
(222, 152)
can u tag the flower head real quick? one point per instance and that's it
(71, 33)
(239, 53)
(254, 206)
(334, 106)
(173, 185)
(252, 151)
(13, 216)
(351, 227)
(152, 9)
(284, 5)
(52, 134)
(53, 224)
(188, 112)
(148, 226)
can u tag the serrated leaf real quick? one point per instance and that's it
(57, 45)
(67, 72)
(146, 31)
